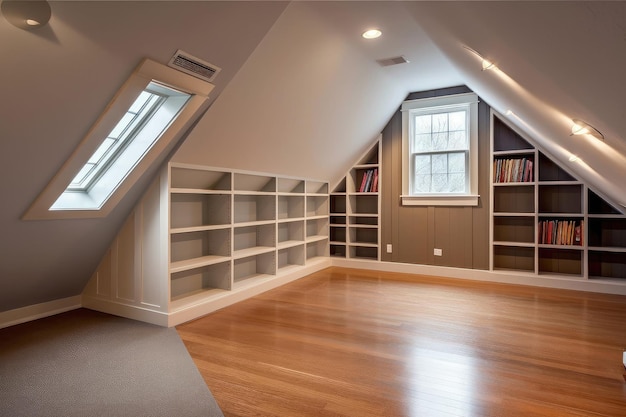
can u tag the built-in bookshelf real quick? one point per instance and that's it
(545, 221)
(230, 230)
(355, 210)
(202, 238)
(606, 239)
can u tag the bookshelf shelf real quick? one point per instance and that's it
(553, 225)
(194, 263)
(518, 244)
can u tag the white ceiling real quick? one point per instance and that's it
(313, 97)
(300, 94)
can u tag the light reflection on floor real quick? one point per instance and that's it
(434, 376)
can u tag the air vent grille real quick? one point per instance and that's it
(191, 65)
(393, 61)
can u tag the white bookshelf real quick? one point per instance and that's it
(520, 208)
(231, 231)
(202, 238)
(355, 210)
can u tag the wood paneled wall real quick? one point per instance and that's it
(461, 232)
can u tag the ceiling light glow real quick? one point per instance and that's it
(579, 130)
(26, 15)
(487, 65)
(372, 34)
(582, 128)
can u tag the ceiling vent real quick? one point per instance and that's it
(191, 65)
(393, 61)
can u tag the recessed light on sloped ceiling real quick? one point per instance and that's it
(393, 61)
(372, 34)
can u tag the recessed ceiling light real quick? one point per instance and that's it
(26, 14)
(372, 34)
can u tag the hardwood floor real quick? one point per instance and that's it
(346, 342)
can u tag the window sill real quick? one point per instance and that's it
(440, 200)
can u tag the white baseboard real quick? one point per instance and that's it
(129, 311)
(203, 305)
(38, 311)
(208, 306)
(605, 286)
(50, 308)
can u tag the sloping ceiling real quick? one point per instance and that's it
(300, 94)
(313, 97)
(558, 61)
(54, 83)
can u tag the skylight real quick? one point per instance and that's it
(137, 130)
(125, 131)
(134, 134)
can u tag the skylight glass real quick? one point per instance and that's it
(143, 123)
(122, 133)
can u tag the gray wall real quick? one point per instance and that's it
(414, 231)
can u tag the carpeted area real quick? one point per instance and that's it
(85, 363)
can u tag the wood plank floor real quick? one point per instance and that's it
(346, 342)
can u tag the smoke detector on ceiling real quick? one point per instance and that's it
(393, 61)
(191, 65)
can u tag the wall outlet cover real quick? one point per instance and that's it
(389, 248)
(438, 252)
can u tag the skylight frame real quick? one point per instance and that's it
(148, 71)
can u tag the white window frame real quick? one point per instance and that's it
(147, 72)
(410, 108)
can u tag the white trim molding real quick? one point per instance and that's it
(440, 200)
(605, 286)
(38, 311)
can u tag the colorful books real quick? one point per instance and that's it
(513, 170)
(369, 182)
(560, 232)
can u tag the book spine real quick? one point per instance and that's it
(375, 184)
(363, 181)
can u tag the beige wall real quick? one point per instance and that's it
(461, 232)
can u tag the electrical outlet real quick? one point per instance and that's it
(389, 248)
(438, 252)
(624, 359)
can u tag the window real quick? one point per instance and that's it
(440, 140)
(126, 130)
(137, 131)
(142, 123)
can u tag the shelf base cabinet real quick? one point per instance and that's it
(553, 226)
(203, 238)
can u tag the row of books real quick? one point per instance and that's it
(561, 232)
(513, 170)
(369, 183)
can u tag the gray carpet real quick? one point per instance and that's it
(85, 363)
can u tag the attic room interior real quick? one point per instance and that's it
(430, 221)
